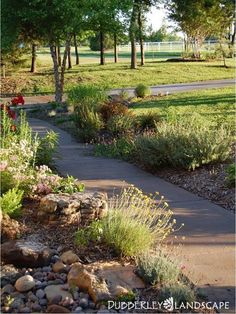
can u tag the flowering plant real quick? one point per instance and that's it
(18, 100)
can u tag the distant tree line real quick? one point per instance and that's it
(61, 24)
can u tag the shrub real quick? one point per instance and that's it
(88, 121)
(142, 91)
(183, 144)
(148, 120)
(135, 222)
(69, 185)
(122, 148)
(158, 268)
(230, 178)
(179, 292)
(10, 202)
(112, 109)
(86, 95)
(119, 125)
(47, 148)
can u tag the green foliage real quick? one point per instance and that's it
(142, 91)
(158, 268)
(7, 181)
(148, 120)
(230, 178)
(127, 297)
(119, 125)
(133, 225)
(88, 122)
(47, 149)
(112, 109)
(69, 185)
(181, 293)
(86, 95)
(10, 202)
(94, 42)
(184, 144)
(121, 148)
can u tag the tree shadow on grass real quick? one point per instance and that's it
(186, 101)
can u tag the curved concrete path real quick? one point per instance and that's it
(209, 248)
(169, 89)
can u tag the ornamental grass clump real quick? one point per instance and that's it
(158, 268)
(134, 224)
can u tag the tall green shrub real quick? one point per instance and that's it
(183, 144)
(86, 95)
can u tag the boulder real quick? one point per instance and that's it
(79, 207)
(10, 228)
(25, 253)
(104, 281)
(57, 309)
(25, 283)
(69, 257)
(53, 291)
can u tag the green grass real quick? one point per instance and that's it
(216, 105)
(156, 71)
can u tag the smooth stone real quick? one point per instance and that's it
(43, 302)
(78, 309)
(69, 257)
(38, 275)
(8, 289)
(59, 267)
(17, 303)
(25, 310)
(57, 309)
(55, 258)
(55, 290)
(25, 283)
(83, 302)
(56, 299)
(40, 293)
(47, 269)
(19, 295)
(36, 307)
(32, 297)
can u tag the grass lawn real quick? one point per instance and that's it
(156, 71)
(216, 105)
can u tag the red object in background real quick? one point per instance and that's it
(18, 100)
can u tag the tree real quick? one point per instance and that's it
(199, 19)
(51, 20)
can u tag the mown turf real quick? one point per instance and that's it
(216, 105)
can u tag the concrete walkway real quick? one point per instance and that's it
(165, 89)
(209, 248)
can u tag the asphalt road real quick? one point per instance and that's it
(164, 89)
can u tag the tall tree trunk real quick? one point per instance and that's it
(102, 57)
(33, 59)
(76, 50)
(69, 58)
(115, 49)
(133, 37)
(58, 92)
(59, 77)
(59, 55)
(140, 27)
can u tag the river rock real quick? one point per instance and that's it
(25, 283)
(25, 253)
(59, 267)
(9, 274)
(69, 257)
(57, 309)
(56, 290)
(104, 281)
